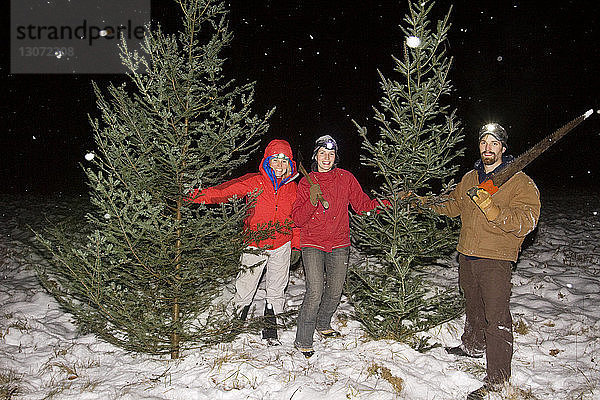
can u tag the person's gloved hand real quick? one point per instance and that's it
(414, 200)
(315, 190)
(484, 201)
(402, 194)
(295, 257)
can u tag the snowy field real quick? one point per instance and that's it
(555, 305)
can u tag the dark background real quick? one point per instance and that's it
(529, 66)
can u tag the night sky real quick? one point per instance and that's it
(527, 65)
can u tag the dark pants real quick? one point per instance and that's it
(325, 274)
(486, 287)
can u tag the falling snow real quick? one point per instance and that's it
(413, 41)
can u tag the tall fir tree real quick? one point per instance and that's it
(414, 154)
(149, 274)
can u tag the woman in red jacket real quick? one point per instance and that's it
(325, 239)
(277, 193)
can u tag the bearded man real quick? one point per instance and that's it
(494, 226)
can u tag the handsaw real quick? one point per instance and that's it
(303, 171)
(501, 177)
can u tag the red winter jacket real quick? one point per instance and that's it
(329, 229)
(273, 204)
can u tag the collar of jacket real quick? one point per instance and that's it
(479, 167)
(325, 176)
(277, 183)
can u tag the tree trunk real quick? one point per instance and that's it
(175, 337)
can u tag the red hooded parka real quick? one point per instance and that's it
(273, 204)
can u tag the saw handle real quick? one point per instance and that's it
(310, 182)
(488, 186)
(472, 192)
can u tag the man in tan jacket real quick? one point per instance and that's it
(493, 229)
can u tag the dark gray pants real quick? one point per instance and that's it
(486, 287)
(325, 275)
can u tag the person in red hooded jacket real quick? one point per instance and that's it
(325, 239)
(276, 195)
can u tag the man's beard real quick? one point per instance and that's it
(490, 160)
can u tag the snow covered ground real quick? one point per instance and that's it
(555, 305)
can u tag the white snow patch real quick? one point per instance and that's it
(555, 305)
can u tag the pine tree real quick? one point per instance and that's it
(414, 154)
(149, 274)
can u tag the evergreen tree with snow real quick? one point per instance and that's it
(149, 275)
(414, 153)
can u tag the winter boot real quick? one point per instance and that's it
(478, 394)
(483, 391)
(307, 352)
(329, 334)
(461, 351)
(244, 312)
(270, 330)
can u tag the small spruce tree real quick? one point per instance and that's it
(414, 154)
(148, 275)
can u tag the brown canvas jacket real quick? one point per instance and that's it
(500, 239)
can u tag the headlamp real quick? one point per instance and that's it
(490, 127)
(280, 156)
(494, 129)
(328, 143)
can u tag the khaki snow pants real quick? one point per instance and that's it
(277, 264)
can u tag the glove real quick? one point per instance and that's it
(414, 200)
(402, 194)
(484, 201)
(295, 257)
(315, 190)
(489, 186)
